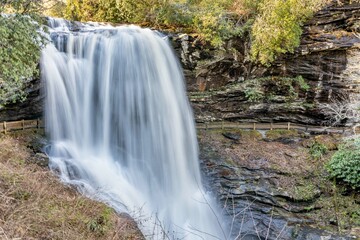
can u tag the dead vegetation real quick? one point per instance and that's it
(35, 205)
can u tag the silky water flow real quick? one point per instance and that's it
(121, 129)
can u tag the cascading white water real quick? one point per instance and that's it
(122, 130)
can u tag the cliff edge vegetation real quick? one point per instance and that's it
(274, 26)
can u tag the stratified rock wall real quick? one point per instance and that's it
(327, 59)
(224, 85)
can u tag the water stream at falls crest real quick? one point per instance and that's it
(121, 129)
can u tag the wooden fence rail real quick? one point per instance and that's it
(6, 127)
(37, 123)
(272, 126)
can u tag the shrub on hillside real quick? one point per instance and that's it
(317, 150)
(345, 164)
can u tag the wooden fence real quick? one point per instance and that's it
(20, 125)
(272, 126)
(37, 123)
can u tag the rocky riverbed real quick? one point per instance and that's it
(274, 187)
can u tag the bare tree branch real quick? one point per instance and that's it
(341, 109)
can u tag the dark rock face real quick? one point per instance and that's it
(327, 60)
(269, 189)
(31, 108)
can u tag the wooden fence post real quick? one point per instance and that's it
(222, 124)
(254, 126)
(23, 124)
(4, 124)
(288, 126)
(271, 126)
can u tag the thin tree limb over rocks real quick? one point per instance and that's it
(342, 110)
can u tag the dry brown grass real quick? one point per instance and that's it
(35, 205)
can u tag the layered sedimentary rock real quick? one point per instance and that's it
(225, 85)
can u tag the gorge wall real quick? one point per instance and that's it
(223, 84)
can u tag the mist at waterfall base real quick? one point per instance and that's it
(122, 131)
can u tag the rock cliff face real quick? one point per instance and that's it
(224, 85)
(31, 108)
(268, 192)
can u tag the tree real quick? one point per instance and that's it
(73, 10)
(54, 8)
(20, 6)
(275, 25)
(277, 28)
(342, 109)
(110, 11)
(20, 45)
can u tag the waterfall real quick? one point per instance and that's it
(121, 128)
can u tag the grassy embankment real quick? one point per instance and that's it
(35, 205)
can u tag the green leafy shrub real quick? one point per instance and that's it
(253, 94)
(209, 18)
(317, 150)
(20, 45)
(246, 8)
(73, 10)
(345, 164)
(277, 28)
(213, 22)
(276, 24)
(119, 11)
(300, 81)
(95, 10)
